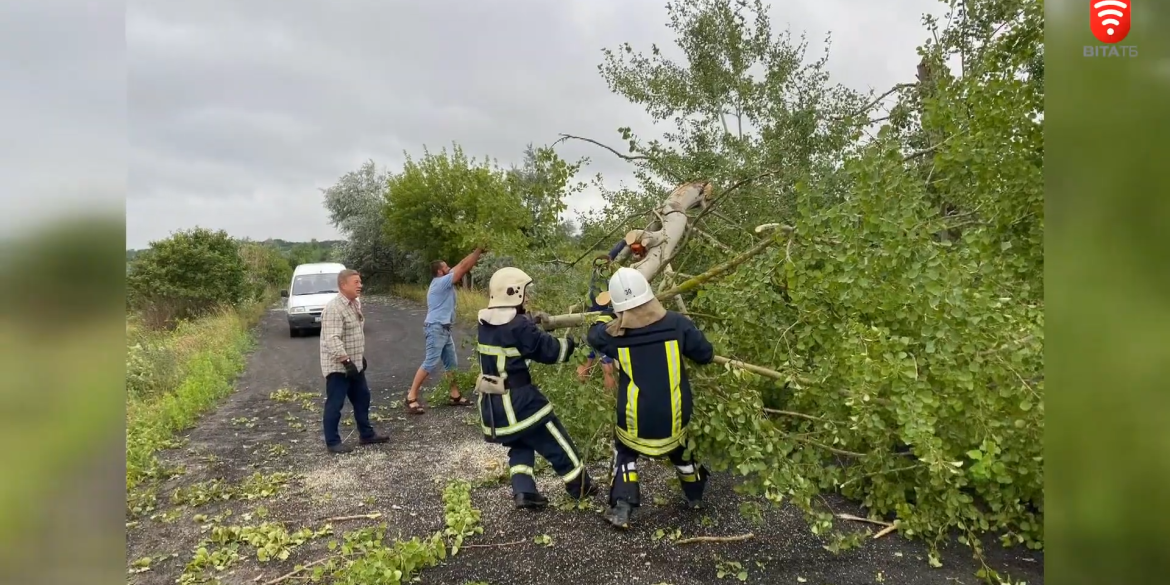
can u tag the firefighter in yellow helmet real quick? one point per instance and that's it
(653, 396)
(513, 411)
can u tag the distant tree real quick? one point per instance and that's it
(355, 204)
(267, 268)
(187, 274)
(443, 205)
(543, 182)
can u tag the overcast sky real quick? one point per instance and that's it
(240, 111)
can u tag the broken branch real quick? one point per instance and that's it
(751, 368)
(494, 545)
(796, 414)
(721, 269)
(860, 519)
(877, 100)
(296, 571)
(714, 241)
(608, 235)
(575, 319)
(737, 538)
(372, 516)
(626, 157)
(828, 448)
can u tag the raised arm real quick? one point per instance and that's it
(598, 338)
(617, 249)
(465, 265)
(535, 344)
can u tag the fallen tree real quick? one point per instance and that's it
(576, 319)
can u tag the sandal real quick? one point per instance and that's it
(413, 407)
(458, 401)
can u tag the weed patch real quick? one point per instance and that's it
(207, 355)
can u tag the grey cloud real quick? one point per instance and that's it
(62, 109)
(240, 111)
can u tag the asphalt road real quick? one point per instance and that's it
(252, 432)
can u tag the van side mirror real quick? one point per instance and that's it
(284, 294)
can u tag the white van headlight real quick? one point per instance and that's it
(298, 309)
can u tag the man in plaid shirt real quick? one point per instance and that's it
(343, 343)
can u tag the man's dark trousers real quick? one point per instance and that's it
(338, 387)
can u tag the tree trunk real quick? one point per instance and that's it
(660, 243)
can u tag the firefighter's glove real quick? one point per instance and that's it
(350, 368)
(540, 317)
(364, 363)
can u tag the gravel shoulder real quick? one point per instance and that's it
(257, 431)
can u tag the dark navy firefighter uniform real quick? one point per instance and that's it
(654, 402)
(522, 419)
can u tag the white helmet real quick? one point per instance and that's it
(628, 289)
(507, 288)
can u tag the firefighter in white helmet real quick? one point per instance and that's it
(653, 396)
(513, 411)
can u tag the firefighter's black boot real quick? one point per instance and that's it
(530, 501)
(619, 514)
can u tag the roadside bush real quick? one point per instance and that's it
(175, 376)
(187, 275)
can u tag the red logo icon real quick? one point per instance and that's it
(1109, 19)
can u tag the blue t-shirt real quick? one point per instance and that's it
(441, 300)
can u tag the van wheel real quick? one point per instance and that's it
(294, 332)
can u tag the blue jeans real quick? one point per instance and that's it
(440, 348)
(337, 388)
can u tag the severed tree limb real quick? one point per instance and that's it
(736, 538)
(796, 414)
(709, 207)
(372, 516)
(876, 101)
(626, 157)
(494, 545)
(766, 372)
(297, 571)
(664, 241)
(860, 519)
(722, 269)
(710, 238)
(575, 319)
(885, 531)
(827, 448)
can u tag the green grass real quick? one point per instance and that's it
(200, 360)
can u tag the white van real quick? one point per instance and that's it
(312, 286)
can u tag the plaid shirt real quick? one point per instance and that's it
(342, 334)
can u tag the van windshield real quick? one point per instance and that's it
(312, 284)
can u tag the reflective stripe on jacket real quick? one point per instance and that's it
(504, 351)
(654, 395)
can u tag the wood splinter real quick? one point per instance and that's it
(373, 516)
(884, 531)
(737, 538)
(494, 545)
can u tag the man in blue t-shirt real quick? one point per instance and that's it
(437, 327)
